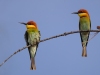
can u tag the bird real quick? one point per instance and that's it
(84, 25)
(32, 37)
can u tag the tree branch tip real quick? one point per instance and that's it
(98, 27)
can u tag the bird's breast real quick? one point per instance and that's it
(33, 37)
(84, 24)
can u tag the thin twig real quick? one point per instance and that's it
(14, 54)
(64, 34)
(93, 36)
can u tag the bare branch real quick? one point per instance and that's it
(93, 36)
(64, 34)
(14, 54)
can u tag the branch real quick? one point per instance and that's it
(64, 34)
(93, 36)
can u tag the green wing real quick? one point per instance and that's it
(26, 39)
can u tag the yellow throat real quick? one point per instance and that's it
(30, 26)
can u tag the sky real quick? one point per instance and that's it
(60, 56)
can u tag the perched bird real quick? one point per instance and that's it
(84, 24)
(32, 37)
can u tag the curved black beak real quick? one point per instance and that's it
(23, 23)
(75, 13)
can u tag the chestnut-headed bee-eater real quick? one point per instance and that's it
(84, 24)
(32, 37)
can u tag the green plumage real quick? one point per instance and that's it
(32, 37)
(84, 24)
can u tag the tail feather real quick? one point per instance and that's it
(84, 52)
(33, 67)
(33, 53)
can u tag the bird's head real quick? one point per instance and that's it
(82, 13)
(30, 24)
